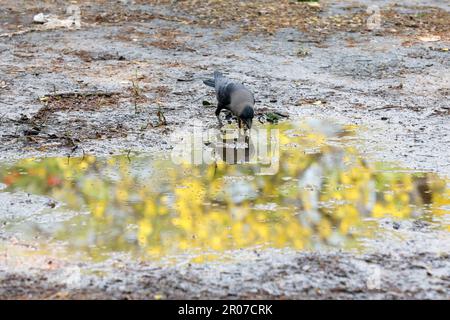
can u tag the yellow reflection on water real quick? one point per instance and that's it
(320, 196)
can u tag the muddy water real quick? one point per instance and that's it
(299, 185)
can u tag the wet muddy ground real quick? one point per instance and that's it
(130, 79)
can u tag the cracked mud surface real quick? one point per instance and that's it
(98, 91)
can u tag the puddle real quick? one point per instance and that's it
(303, 186)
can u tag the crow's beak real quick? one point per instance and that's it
(248, 123)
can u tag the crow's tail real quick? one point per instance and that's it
(210, 82)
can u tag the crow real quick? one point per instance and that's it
(234, 97)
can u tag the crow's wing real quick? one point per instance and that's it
(225, 93)
(225, 89)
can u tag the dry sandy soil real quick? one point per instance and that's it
(132, 75)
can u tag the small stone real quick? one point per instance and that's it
(39, 18)
(51, 204)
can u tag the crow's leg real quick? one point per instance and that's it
(219, 108)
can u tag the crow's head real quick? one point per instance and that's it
(247, 115)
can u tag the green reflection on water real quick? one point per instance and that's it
(320, 196)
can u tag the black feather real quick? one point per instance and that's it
(210, 82)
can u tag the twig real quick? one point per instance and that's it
(161, 117)
(80, 94)
(136, 91)
(18, 33)
(389, 106)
